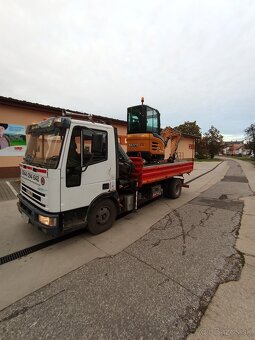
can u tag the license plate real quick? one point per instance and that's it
(25, 217)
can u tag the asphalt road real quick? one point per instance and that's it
(157, 288)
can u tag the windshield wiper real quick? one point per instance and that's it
(29, 158)
(42, 165)
(52, 158)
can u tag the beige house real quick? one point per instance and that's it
(17, 114)
(186, 147)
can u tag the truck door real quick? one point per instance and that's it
(88, 171)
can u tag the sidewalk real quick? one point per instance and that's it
(231, 313)
(9, 188)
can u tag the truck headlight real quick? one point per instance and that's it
(49, 221)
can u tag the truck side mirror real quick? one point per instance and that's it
(97, 143)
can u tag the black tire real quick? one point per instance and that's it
(101, 216)
(173, 188)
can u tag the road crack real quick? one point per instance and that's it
(208, 213)
(167, 278)
(23, 310)
(235, 229)
(157, 243)
(245, 254)
(166, 225)
(183, 232)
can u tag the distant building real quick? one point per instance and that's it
(236, 148)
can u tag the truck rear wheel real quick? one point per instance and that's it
(101, 216)
(173, 188)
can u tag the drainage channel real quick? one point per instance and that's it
(24, 252)
(207, 172)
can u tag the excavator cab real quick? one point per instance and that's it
(144, 136)
(143, 119)
(143, 133)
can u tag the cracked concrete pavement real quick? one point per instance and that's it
(231, 314)
(158, 287)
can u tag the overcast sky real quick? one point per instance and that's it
(190, 59)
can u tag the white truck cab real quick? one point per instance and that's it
(69, 165)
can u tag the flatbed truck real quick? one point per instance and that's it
(75, 174)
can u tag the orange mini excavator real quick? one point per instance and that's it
(144, 136)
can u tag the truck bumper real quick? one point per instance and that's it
(32, 213)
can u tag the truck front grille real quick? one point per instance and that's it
(32, 194)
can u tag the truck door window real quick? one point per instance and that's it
(81, 141)
(74, 154)
(73, 173)
(98, 156)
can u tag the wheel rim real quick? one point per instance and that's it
(102, 215)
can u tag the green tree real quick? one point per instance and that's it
(250, 136)
(202, 148)
(190, 128)
(214, 141)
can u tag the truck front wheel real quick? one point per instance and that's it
(173, 188)
(101, 216)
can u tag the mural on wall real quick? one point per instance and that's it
(12, 140)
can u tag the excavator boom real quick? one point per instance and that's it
(169, 134)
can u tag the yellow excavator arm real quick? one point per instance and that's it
(169, 134)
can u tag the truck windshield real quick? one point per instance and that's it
(44, 148)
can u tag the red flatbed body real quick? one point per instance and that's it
(146, 174)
